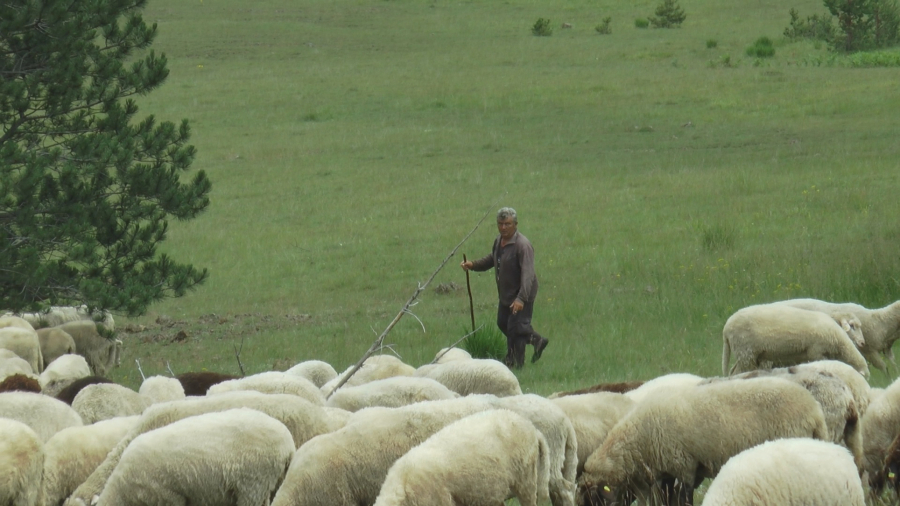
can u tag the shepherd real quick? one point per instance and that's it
(512, 258)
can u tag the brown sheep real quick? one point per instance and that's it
(68, 394)
(20, 383)
(197, 383)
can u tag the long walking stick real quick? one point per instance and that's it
(469, 288)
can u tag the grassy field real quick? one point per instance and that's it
(665, 184)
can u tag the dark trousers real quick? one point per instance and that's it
(518, 331)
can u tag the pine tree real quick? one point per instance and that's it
(668, 14)
(86, 188)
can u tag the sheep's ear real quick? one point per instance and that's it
(846, 325)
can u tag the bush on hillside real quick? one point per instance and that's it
(668, 15)
(604, 28)
(541, 28)
(762, 48)
(861, 25)
(641, 23)
(487, 342)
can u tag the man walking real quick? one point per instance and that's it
(512, 258)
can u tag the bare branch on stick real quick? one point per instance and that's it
(454, 344)
(169, 368)
(237, 355)
(378, 342)
(138, 362)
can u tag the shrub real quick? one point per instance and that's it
(641, 23)
(603, 28)
(542, 28)
(762, 48)
(813, 27)
(864, 24)
(488, 342)
(711, 43)
(668, 15)
(874, 59)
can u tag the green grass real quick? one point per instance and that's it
(353, 144)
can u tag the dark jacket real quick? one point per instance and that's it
(514, 269)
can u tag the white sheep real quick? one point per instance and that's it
(390, 392)
(348, 466)
(303, 419)
(776, 335)
(157, 389)
(317, 371)
(235, 457)
(10, 364)
(45, 415)
(102, 401)
(337, 417)
(671, 380)
(562, 443)
(54, 343)
(24, 343)
(449, 355)
(62, 372)
(880, 327)
(833, 395)
(102, 353)
(272, 382)
(788, 472)
(21, 463)
(880, 425)
(592, 416)
(688, 434)
(374, 368)
(58, 315)
(481, 459)
(475, 376)
(72, 454)
(858, 385)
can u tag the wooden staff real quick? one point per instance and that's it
(469, 289)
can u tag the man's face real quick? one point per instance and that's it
(507, 228)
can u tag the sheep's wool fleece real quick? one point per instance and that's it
(788, 472)
(230, 457)
(480, 459)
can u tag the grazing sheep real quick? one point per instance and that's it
(562, 443)
(672, 380)
(103, 401)
(880, 426)
(617, 388)
(71, 390)
(390, 392)
(303, 419)
(858, 385)
(62, 372)
(21, 461)
(198, 383)
(72, 454)
(10, 364)
(788, 472)
(833, 395)
(272, 382)
(101, 353)
(449, 355)
(475, 376)
(317, 371)
(592, 416)
(20, 383)
(157, 389)
(374, 368)
(688, 434)
(24, 343)
(235, 457)
(337, 417)
(54, 343)
(348, 466)
(58, 315)
(481, 459)
(45, 415)
(880, 327)
(776, 335)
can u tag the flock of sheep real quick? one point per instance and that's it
(793, 422)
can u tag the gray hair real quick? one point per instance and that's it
(507, 212)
